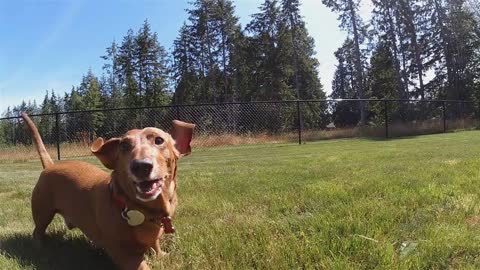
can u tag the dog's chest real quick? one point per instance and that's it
(146, 234)
(141, 236)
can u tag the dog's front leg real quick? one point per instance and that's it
(158, 250)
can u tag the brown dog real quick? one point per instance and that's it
(125, 212)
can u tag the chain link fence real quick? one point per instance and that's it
(69, 134)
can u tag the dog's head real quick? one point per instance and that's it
(145, 160)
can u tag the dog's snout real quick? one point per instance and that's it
(141, 168)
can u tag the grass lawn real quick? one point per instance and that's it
(409, 203)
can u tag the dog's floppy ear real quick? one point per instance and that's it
(106, 152)
(182, 134)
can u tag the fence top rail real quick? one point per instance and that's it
(243, 103)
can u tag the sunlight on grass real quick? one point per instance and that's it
(340, 204)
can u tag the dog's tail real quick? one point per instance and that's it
(44, 155)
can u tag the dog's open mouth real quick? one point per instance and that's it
(149, 188)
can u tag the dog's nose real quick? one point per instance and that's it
(141, 167)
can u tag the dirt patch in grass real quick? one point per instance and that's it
(473, 220)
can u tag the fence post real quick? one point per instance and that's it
(478, 109)
(57, 134)
(299, 118)
(478, 115)
(177, 112)
(444, 115)
(14, 133)
(462, 113)
(385, 108)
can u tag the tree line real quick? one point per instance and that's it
(422, 49)
(409, 49)
(213, 60)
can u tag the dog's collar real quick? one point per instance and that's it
(136, 218)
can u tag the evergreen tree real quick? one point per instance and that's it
(206, 67)
(127, 69)
(382, 74)
(47, 124)
(293, 22)
(112, 92)
(183, 69)
(343, 87)
(305, 80)
(111, 86)
(386, 22)
(89, 89)
(75, 123)
(351, 21)
(415, 24)
(268, 75)
(454, 49)
(151, 68)
(382, 78)
(21, 133)
(7, 128)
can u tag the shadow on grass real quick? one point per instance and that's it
(57, 252)
(404, 136)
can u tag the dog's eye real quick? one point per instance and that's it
(125, 146)
(158, 140)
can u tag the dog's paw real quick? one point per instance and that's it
(156, 253)
(162, 254)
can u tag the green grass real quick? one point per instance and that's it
(409, 203)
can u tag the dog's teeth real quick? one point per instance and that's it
(149, 187)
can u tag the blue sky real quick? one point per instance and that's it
(50, 44)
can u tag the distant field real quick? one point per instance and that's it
(409, 203)
(81, 148)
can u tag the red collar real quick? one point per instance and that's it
(165, 221)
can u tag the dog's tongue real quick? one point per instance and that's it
(147, 186)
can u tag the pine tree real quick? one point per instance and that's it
(127, 69)
(351, 21)
(21, 133)
(224, 29)
(7, 128)
(183, 70)
(55, 105)
(269, 80)
(305, 80)
(151, 68)
(75, 123)
(206, 67)
(385, 21)
(301, 49)
(112, 92)
(112, 89)
(382, 78)
(414, 21)
(454, 49)
(89, 89)
(382, 73)
(293, 23)
(343, 87)
(46, 124)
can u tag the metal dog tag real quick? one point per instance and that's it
(135, 218)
